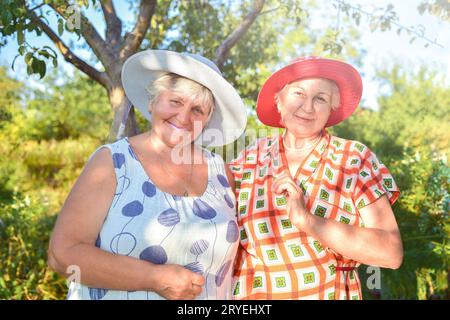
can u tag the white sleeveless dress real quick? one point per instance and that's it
(199, 233)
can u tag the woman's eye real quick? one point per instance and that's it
(176, 102)
(299, 93)
(321, 99)
(198, 110)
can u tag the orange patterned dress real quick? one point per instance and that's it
(277, 261)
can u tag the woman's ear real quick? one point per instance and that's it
(277, 104)
(150, 107)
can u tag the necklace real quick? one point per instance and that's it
(186, 186)
(307, 147)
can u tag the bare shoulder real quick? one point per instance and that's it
(97, 180)
(87, 204)
(99, 168)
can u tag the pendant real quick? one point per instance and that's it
(186, 194)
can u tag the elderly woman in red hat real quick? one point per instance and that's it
(311, 206)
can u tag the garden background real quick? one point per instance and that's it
(49, 126)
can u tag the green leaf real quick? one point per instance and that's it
(42, 68)
(14, 60)
(60, 26)
(20, 37)
(7, 17)
(29, 58)
(22, 50)
(44, 53)
(29, 70)
(38, 66)
(49, 48)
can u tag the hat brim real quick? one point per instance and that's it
(229, 117)
(344, 75)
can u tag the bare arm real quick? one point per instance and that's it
(77, 228)
(378, 244)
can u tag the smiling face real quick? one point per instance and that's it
(180, 109)
(305, 105)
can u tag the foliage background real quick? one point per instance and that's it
(47, 135)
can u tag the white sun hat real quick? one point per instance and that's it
(229, 117)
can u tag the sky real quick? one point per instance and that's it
(382, 48)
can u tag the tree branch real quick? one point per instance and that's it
(69, 56)
(92, 37)
(224, 49)
(134, 39)
(113, 24)
(412, 29)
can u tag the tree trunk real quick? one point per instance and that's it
(121, 106)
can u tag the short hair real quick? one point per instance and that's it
(174, 82)
(335, 93)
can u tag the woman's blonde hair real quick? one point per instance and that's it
(185, 86)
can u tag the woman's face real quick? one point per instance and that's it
(178, 119)
(305, 105)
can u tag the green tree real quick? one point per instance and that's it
(21, 17)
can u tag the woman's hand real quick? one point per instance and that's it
(175, 282)
(285, 185)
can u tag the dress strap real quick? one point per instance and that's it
(122, 158)
(215, 163)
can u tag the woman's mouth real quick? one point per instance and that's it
(303, 119)
(176, 127)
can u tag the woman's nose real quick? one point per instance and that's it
(307, 106)
(184, 116)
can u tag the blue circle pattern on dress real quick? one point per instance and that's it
(196, 267)
(97, 293)
(228, 200)
(169, 217)
(98, 242)
(132, 209)
(220, 276)
(118, 160)
(203, 210)
(123, 243)
(232, 231)
(199, 246)
(123, 181)
(148, 189)
(154, 254)
(223, 181)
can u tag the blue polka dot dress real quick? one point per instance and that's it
(199, 233)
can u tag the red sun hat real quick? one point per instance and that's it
(344, 75)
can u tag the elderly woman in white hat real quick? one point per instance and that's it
(311, 206)
(153, 216)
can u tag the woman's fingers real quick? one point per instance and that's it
(285, 185)
(196, 290)
(197, 279)
(181, 283)
(280, 180)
